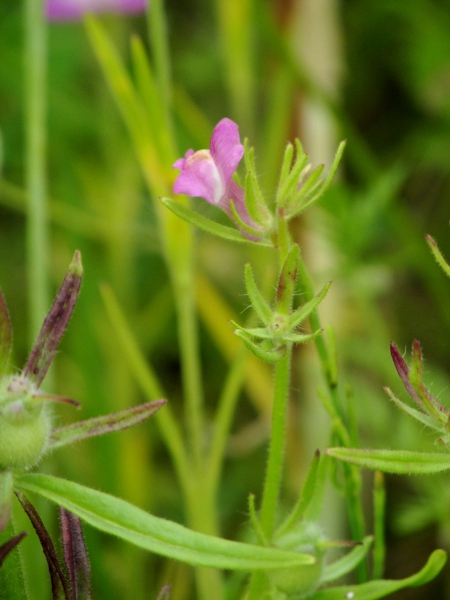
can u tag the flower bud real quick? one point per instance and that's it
(300, 581)
(25, 424)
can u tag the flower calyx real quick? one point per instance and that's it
(431, 412)
(280, 324)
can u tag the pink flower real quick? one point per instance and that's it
(208, 173)
(74, 9)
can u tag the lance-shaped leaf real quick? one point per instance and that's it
(412, 412)
(394, 461)
(75, 555)
(270, 355)
(304, 311)
(348, 562)
(309, 505)
(60, 585)
(103, 424)
(198, 220)
(258, 301)
(122, 519)
(372, 590)
(55, 323)
(5, 335)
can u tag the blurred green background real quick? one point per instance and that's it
(374, 72)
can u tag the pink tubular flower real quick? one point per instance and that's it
(62, 10)
(208, 173)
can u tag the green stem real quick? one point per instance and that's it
(351, 474)
(272, 482)
(35, 108)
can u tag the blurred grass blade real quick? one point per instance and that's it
(5, 335)
(394, 461)
(103, 424)
(151, 97)
(382, 588)
(122, 519)
(130, 106)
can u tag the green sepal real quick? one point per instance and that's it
(301, 198)
(103, 424)
(286, 164)
(5, 335)
(254, 199)
(348, 562)
(316, 191)
(304, 311)
(372, 590)
(402, 462)
(194, 218)
(120, 518)
(288, 186)
(243, 226)
(270, 356)
(257, 300)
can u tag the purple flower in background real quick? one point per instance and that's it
(208, 173)
(75, 9)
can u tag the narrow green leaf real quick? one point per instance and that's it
(122, 519)
(270, 356)
(104, 424)
(258, 301)
(373, 590)
(348, 562)
(304, 311)
(394, 461)
(223, 231)
(412, 412)
(311, 495)
(5, 335)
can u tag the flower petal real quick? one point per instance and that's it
(75, 9)
(226, 148)
(199, 177)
